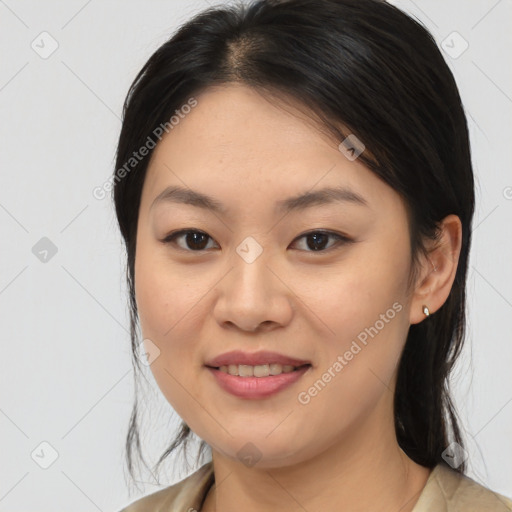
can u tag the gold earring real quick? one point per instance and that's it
(426, 311)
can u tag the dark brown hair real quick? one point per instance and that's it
(362, 64)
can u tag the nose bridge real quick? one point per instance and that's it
(251, 294)
(251, 273)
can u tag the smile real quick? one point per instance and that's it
(260, 370)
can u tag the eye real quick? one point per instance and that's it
(316, 240)
(196, 241)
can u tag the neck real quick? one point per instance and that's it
(364, 470)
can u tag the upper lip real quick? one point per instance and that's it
(255, 358)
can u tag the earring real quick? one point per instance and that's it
(426, 311)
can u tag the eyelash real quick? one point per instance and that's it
(341, 239)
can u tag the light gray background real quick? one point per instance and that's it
(66, 373)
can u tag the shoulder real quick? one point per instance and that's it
(185, 495)
(449, 491)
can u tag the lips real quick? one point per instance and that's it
(238, 357)
(255, 388)
(256, 375)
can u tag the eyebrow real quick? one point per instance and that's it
(324, 196)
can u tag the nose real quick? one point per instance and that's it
(253, 297)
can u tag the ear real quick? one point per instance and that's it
(433, 286)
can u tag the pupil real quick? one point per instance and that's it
(192, 239)
(316, 236)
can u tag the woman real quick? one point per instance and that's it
(294, 187)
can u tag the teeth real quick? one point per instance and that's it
(260, 370)
(245, 370)
(276, 369)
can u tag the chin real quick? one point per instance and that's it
(261, 452)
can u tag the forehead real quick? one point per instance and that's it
(237, 140)
(235, 120)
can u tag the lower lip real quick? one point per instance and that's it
(256, 387)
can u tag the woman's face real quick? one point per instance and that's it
(249, 280)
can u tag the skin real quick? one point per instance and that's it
(341, 447)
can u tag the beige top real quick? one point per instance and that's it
(445, 491)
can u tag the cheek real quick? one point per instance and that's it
(163, 295)
(167, 317)
(357, 362)
(354, 296)
(364, 306)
